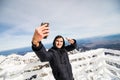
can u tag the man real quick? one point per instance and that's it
(56, 55)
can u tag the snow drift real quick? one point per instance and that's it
(98, 64)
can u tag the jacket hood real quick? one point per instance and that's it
(58, 36)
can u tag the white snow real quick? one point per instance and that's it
(99, 64)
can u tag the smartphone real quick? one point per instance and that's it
(46, 26)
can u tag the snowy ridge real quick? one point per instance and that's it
(99, 64)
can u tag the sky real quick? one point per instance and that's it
(70, 18)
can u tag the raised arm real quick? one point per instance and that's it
(39, 34)
(72, 46)
(42, 53)
(37, 45)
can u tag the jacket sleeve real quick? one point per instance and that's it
(42, 53)
(71, 46)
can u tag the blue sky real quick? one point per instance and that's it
(69, 18)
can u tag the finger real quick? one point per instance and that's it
(45, 25)
(45, 34)
(45, 31)
(67, 38)
(42, 27)
(45, 28)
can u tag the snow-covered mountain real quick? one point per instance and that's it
(98, 64)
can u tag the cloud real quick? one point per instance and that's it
(75, 18)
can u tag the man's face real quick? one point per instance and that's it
(59, 42)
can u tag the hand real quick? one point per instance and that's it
(71, 41)
(40, 33)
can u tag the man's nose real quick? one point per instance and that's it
(58, 42)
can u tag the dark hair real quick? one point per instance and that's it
(58, 36)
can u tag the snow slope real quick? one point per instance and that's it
(99, 64)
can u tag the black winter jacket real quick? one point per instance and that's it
(58, 59)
